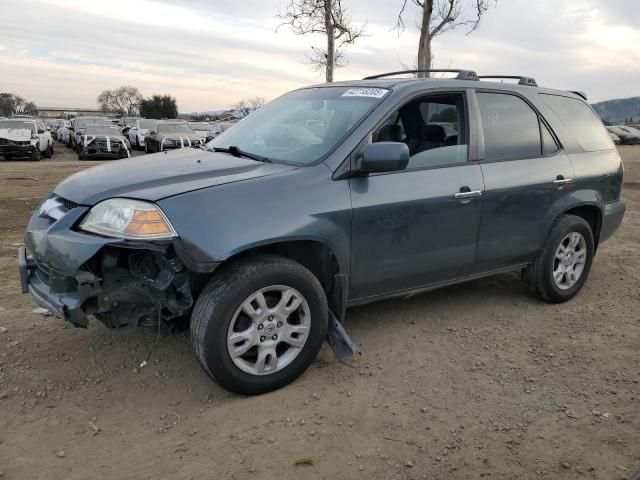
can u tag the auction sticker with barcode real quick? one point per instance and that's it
(365, 92)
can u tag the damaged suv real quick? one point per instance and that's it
(330, 196)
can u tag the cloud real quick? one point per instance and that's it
(211, 54)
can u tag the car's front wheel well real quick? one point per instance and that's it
(315, 256)
(592, 215)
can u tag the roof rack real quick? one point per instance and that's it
(530, 82)
(461, 74)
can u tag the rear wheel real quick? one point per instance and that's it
(48, 152)
(562, 267)
(259, 324)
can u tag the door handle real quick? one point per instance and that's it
(469, 194)
(560, 180)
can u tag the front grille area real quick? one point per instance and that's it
(67, 204)
(102, 147)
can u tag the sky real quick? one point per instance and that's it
(211, 53)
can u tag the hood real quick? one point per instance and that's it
(15, 134)
(159, 175)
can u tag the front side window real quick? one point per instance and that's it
(433, 128)
(581, 121)
(511, 127)
(303, 126)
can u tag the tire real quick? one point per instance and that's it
(48, 152)
(146, 147)
(8, 157)
(51, 148)
(81, 156)
(539, 276)
(138, 143)
(219, 307)
(36, 154)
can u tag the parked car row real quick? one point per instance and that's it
(626, 134)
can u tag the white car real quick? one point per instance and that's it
(204, 130)
(139, 130)
(24, 137)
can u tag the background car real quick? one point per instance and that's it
(615, 138)
(25, 137)
(169, 135)
(103, 142)
(627, 135)
(204, 130)
(219, 127)
(137, 130)
(78, 125)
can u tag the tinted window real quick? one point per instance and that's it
(433, 129)
(581, 121)
(511, 128)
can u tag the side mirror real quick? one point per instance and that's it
(152, 132)
(40, 130)
(384, 157)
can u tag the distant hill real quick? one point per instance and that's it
(617, 111)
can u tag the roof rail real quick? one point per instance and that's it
(461, 74)
(531, 82)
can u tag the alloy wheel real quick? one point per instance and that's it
(269, 330)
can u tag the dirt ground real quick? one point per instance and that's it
(477, 380)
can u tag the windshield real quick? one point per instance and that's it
(174, 128)
(147, 123)
(302, 126)
(102, 130)
(83, 122)
(17, 124)
(130, 121)
(200, 125)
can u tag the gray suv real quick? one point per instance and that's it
(330, 196)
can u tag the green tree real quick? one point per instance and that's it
(159, 106)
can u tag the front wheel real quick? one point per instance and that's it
(259, 324)
(36, 154)
(562, 267)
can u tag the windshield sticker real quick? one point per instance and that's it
(365, 92)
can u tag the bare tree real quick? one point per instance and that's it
(438, 17)
(248, 105)
(124, 100)
(325, 17)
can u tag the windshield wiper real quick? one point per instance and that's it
(236, 152)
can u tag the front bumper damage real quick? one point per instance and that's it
(16, 148)
(77, 275)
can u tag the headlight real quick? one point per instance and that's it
(129, 219)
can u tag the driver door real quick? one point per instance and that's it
(418, 227)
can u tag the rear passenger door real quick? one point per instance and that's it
(525, 172)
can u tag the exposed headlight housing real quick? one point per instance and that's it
(128, 219)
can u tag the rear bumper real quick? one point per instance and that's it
(611, 219)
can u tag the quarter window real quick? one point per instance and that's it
(581, 121)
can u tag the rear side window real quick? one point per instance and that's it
(511, 127)
(581, 121)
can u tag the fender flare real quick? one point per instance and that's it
(578, 198)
